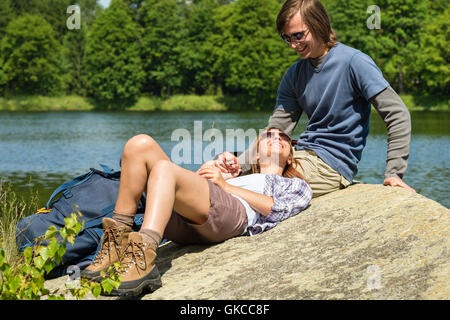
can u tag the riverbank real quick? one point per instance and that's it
(184, 103)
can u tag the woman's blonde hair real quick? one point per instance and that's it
(289, 170)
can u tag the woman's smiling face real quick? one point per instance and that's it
(274, 145)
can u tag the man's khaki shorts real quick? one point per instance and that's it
(319, 175)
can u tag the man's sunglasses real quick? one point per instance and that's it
(293, 38)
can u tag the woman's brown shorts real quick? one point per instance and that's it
(227, 218)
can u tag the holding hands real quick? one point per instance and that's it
(228, 164)
(225, 167)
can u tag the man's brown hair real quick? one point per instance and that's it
(314, 15)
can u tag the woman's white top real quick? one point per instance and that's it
(290, 195)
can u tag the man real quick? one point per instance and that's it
(333, 84)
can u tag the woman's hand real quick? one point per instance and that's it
(228, 163)
(213, 174)
(207, 164)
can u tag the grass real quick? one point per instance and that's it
(12, 210)
(179, 103)
(424, 102)
(42, 103)
(186, 103)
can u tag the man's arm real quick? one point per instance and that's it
(284, 119)
(395, 114)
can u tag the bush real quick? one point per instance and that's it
(22, 276)
(30, 57)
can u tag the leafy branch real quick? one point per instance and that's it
(26, 281)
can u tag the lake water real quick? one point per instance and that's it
(39, 151)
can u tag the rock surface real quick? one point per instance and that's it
(364, 242)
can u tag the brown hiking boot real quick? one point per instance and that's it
(138, 269)
(115, 239)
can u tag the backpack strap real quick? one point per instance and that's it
(68, 185)
(65, 187)
(107, 169)
(107, 212)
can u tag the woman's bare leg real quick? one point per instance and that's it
(171, 187)
(168, 187)
(138, 157)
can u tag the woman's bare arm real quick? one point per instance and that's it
(259, 202)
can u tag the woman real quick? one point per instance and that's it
(188, 207)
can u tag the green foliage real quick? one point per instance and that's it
(402, 21)
(161, 45)
(250, 57)
(6, 12)
(30, 57)
(196, 51)
(411, 48)
(113, 65)
(44, 103)
(433, 63)
(192, 103)
(74, 46)
(26, 280)
(53, 11)
(205, 47)
(12, 209)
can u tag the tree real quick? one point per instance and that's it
(348, 19)
(162, 37)
(394, 45)
(195, 51)
(89, 11)
(251, 58)
(31, 58)
(7, 14)
(74, 45)
(53, 11)
(433, 62)
(113, 66)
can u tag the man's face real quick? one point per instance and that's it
(308, 46)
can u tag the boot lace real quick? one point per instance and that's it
(110, 241)
(134, 255)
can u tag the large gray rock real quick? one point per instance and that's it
(364, 242)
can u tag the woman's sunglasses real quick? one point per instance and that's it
(274, 135)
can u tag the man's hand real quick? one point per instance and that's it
(214, 175)
(397, 182)
(228, 163)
